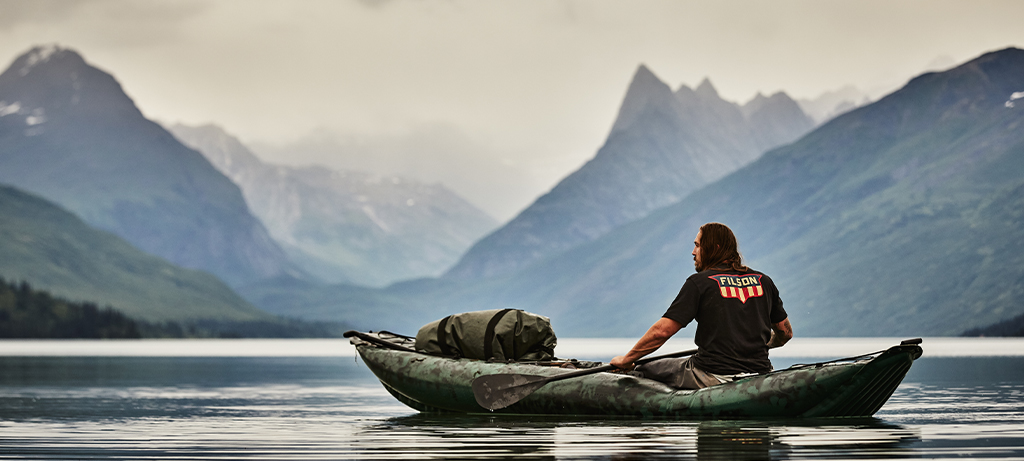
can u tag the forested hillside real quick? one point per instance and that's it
(56, 251)
(27, 313)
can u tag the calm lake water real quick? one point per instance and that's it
(311, 399)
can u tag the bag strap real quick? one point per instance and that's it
(489, 333)
(442, 339)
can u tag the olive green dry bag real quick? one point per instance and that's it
(499, 334)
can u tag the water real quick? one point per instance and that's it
(266, 399)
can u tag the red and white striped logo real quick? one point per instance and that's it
(741, 287)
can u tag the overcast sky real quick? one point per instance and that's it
(497, 99)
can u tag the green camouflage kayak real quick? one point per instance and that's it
(855, 387)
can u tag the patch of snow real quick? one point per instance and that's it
(38, 55)
(1014, 97)
(8, 109)
(368, 210)
(37, 117)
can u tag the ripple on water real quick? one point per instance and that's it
(303, 411)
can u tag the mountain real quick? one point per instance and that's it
(832, 103)
(71, 135)
(1011, 327)
(900, 218)
(663, 146)
(346, 226)
(54, 250)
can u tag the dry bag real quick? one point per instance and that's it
(500, 334)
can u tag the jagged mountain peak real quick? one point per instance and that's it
(52, 78)
(644, 90)
(663, 146)
(704, 97)
(226, 152)
(706, 89)
(41, 54)
(46, 62)
(644, 73)
(646, 84)
(778, 101)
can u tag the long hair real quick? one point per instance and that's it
(718, 247)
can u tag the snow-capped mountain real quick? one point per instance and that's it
(346, 226)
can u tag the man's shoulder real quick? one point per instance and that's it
(714, 274)
(711, 272)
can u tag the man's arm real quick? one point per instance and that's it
(655, 337)
(782, 332)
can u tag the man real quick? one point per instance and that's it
(739, 317)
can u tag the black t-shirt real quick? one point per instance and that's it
(734, 313)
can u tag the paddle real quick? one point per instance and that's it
(495, 392)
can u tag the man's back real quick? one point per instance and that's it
(734, 311)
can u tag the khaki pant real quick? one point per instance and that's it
(678, 373)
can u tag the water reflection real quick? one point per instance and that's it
(541, 438)
(329, 408)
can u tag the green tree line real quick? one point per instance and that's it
(1011, 327)
(29, 313)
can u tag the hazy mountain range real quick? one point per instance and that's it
(828, 105)
(663, 146)
(901, 217)
(346, 226)
(74, 144)
(70, 134)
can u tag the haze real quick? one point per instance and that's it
(497, 100)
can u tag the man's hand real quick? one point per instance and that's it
(622, 363)
(660, 332)
(782, 332)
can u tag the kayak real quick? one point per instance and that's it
(853, 387)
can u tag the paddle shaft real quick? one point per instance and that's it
(497, 391)
(590, 371)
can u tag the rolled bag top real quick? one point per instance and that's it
(498, 335)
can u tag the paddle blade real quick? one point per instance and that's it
(495, 392)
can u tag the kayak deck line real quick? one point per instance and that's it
(852, 387)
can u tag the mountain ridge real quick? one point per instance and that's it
(51, 248)
(662, 146)
(865, 169)
(70, 134)
(901, 217)
(347, 226)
